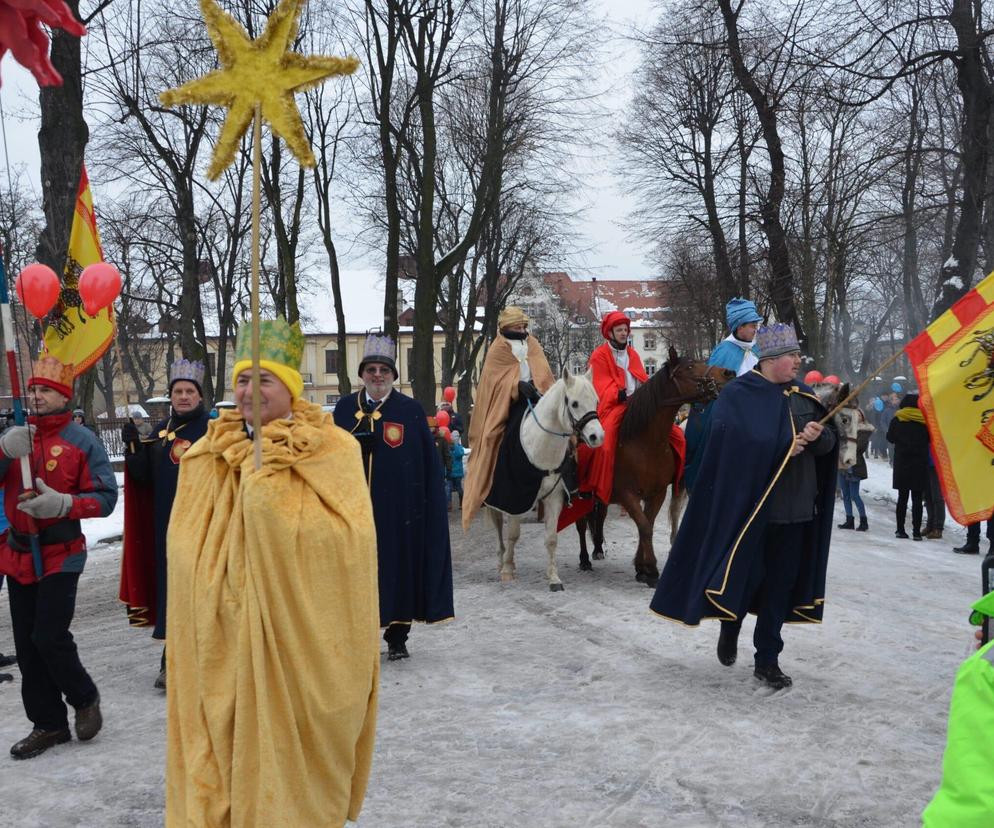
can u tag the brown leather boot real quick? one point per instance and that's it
(88, 720)
(38, 741)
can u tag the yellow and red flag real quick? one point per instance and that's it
(953, 360)
(73, 336)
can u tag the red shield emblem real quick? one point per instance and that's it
(178, 449)
(393, 434)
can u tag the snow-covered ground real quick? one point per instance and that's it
(580, 708)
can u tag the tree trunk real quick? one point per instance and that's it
(62, 141)
(956, 274)
(782, 280)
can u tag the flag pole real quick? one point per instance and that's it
(256, 376)
(855, 392)
(27, 482)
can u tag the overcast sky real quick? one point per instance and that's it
(610, 252)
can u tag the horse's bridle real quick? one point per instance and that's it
(706, 388)
(578, 423)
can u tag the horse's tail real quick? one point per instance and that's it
(677, 502)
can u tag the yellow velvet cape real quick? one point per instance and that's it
(273, 645)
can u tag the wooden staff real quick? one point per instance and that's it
(256, 376)
(855, 392)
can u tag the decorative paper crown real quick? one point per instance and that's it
(511, 315)
(379, 349)
(184, 369)
(279, 342)
(50, 372)
(776, 340)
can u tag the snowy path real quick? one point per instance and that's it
(580, 708)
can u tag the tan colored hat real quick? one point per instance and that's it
(511, 315)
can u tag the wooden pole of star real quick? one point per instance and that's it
(256, 373)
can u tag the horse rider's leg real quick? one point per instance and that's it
(581, 530)
(652, 506)
(597, 530)
(507, 572)
(553, 506)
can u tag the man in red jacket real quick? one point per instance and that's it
(617, 371)
(73, 480)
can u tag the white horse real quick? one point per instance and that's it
(568, 409)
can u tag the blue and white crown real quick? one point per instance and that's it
(185, 369)
(776, 340)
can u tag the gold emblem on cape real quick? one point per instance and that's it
(178, 449)
(51, 465)
(56, 451)
(393, 434)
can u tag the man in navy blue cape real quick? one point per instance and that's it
(756, 533)
(405, 480)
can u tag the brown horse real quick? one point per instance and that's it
(644, 465)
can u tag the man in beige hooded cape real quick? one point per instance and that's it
(515, 356)
(273, 657)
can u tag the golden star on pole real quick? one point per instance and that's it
(261, 72)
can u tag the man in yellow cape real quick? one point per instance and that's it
(515, 356)
(273, 659)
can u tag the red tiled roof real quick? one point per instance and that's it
(634, 295)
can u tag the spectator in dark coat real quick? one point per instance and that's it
(909, 435)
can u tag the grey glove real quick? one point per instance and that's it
(48, 503)
(16, 441)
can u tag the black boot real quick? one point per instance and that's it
(968, 548)
(900, 533)
(848, 524)
(395, 652)
(863, 525)
(6, 661)
(728, 644)
(773, 676)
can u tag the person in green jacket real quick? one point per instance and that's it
(965, 798)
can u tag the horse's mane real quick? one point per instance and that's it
(644, 404)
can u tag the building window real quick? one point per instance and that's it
(650, 367)
(331, 399)
(331, 361)
(650, 342)
(581, 320)
(211, 365)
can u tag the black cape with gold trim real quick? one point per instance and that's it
(748, 445)
(408, 492)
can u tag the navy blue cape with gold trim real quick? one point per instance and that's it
(748, 445)
(412, 523)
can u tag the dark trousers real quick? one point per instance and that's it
(973, 533)
(916, 509)
(935, 505)
(397, 633)
(46, 653)
(771, 581)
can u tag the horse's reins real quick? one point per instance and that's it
(578, 424)
(705, 385)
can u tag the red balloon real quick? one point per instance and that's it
(449, 394)
(831, 379)
(99, 286)
(442, 418)
(444, 433)
(38, 289)
(813, 378)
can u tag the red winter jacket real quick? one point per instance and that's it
(71, 459)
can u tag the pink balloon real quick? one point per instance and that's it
(813, 378)
(442, 418)
(449, 394)
(444, 433)
(99, 286)
(831, 379)
(38, 289)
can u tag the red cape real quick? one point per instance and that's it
(138, 561)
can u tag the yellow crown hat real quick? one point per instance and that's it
(281, 347)
(48, 371)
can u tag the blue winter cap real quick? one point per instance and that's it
(741, 312)
(776, 340)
